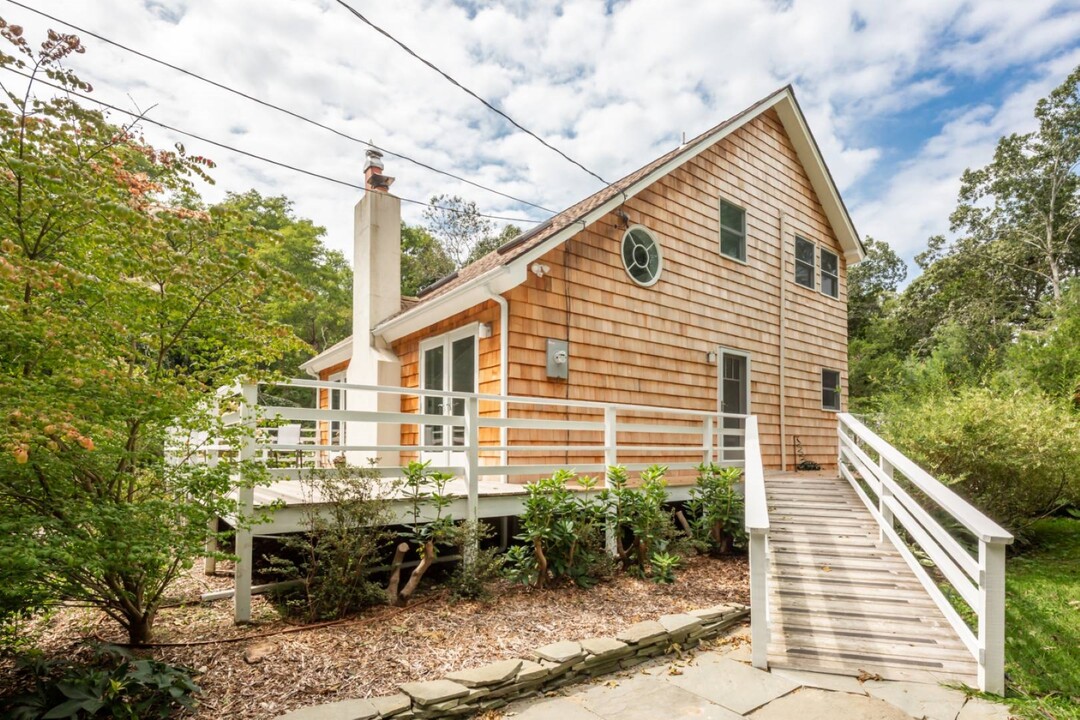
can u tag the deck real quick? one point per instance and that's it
(495, 500)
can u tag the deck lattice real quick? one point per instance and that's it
(843, 601)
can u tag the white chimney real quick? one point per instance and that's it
(376, 296)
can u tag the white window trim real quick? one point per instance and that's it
(722, 351)
(839, 391)
(720, 375)
(659, 255)
(445, 340)
(795, 266)
(720, 232)
(821, 271)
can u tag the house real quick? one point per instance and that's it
(694, 310)
(712, 278)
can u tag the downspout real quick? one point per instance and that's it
(783, 342)
(504, 362)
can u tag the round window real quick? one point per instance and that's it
(641, 256)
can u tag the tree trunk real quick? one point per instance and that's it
(141, 629)
(541, 563)
(395, 574)
(418, 572)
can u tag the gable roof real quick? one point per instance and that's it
(506, 267)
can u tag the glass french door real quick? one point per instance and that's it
(447, 363)
(734, 388)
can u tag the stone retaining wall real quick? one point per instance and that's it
(553, 666)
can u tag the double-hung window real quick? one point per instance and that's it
(804, 262)
(830, 389)
(830, 273)
(732, 231)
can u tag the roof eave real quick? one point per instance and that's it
(335, 354)
(806, 147)
(469, 294)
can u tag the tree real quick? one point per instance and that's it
(492, 243)
(125, 303)
(321, 314)
(1023, 209)
(871, 282)
(457, 225)
(423, 260)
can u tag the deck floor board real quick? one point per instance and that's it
(844, 601)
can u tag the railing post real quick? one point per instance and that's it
(611, 458)
(472, 472)
(757, 525)
(245, 506)
(991, 613)
(706, 445)
(759, 600)
(883, 508)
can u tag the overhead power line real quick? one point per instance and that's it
(278, 108)
(262, 158)
(454, 82)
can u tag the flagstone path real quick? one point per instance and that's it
(721, 685)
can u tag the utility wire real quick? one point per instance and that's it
(278, 108)
(452, 81)
(254, 156)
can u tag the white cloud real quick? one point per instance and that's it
(612, 89)
(917, 201)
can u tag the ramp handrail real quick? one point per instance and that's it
(978, 580)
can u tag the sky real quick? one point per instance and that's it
(902, 96)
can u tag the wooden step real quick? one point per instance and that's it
(855, 668)
(795, 559)
(841, 579)
(778, 525)
(884, 648)
(898, 625)
(912, 595)
(888, 668)
(801, 605)
(822, 550)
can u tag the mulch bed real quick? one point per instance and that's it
(374, 652)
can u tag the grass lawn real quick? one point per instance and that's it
(1042, 646)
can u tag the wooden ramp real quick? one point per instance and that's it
(841, 601)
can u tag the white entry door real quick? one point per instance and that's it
(733, 383)
(447, 362)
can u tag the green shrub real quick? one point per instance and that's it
(716, 509)
(432, 527)
(563, 531)
(472, 580)
(22, 594)
(1051, 357)
(114, 685)
(638, 514)
(663, 565)
(329, 564)
(1013, 454)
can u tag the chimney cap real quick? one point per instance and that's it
(374, 159)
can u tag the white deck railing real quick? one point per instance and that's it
(757, 527)
(606, 434)
(978, 580)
